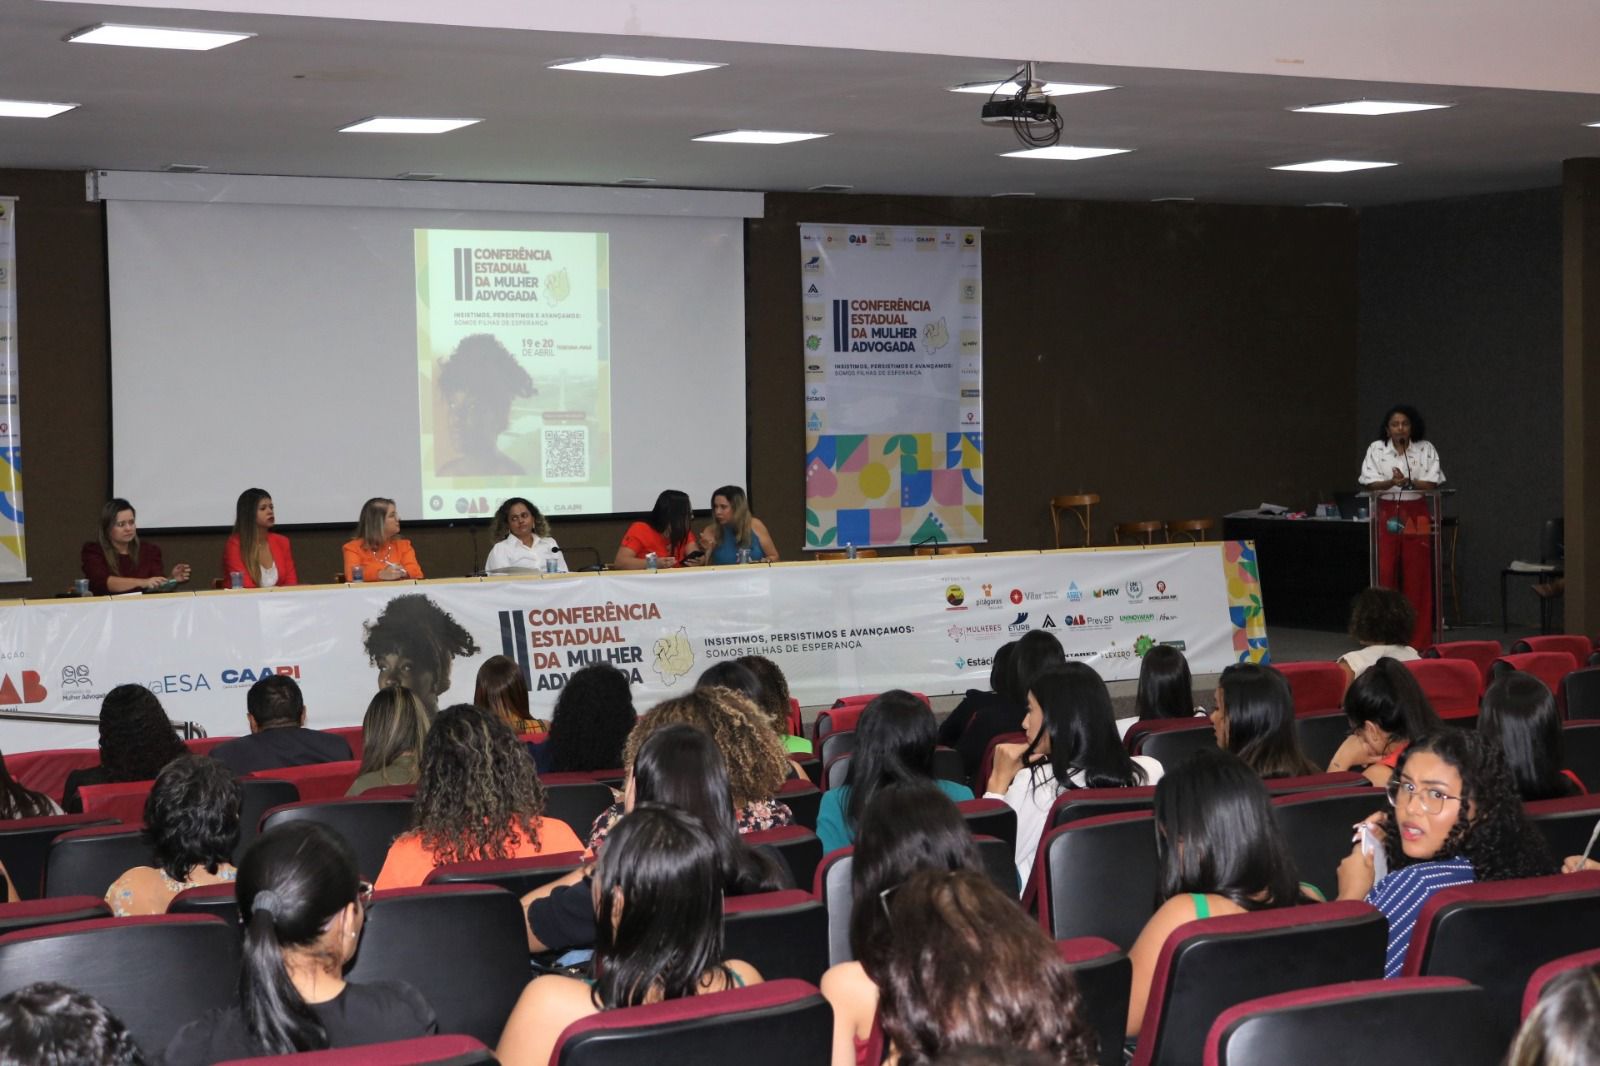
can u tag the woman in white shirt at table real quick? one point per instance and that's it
(523, 540)
(1399, 461)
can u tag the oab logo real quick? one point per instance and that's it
(32, 691)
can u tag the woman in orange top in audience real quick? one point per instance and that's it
(260, 556)
(479, 797)
(378, 548)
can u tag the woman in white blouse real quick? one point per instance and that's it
(523, 540)
(1399, 461)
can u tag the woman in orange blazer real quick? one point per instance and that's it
(377, 548)
(261, 556)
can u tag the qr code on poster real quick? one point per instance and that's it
(566, 453)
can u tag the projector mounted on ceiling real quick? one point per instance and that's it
(1028, 111)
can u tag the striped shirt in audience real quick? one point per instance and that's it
(1400, 897)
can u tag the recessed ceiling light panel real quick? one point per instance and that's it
(382, 124)
(649, 68)
(155, 37)
(758, 136)
(32, 109)
(1064, 151)
(1010, 88)
(1335, 166)
(1369, 107)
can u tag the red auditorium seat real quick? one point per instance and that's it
(123, 801)
(1580, 693)
(1408, 1019)
(839, 717)
(1575, 645)
(838, 742)
(775, 1023)
(1565, 823)
(1481, 653)
(835, 773)
(833, 888)
(354, 735)
(203, 745)
(517, 876)
(258, 795)
(84, 862)
(1206, 967)
(1497, 933)
(370, 825)
(319, 781)
(31, 913)
(25, 846)
(1288, 786)
(1550, 971)
(393, 792)
(1316, 828)
(1104, 977)
(1321, 735)
(219, 901)
(781, 934)
(990, 817)
(802, 798)
(986, 764)
(1317, 687)
(578, 804)
(1097, 877)
(453, 1050)
(1169, 741)
(1076, 804)
(1451, 685)
(797, 720)
(46, 771)
(1582, 741)
(1548, 666)
(795, 847)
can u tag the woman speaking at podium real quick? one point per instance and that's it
(1399, 461)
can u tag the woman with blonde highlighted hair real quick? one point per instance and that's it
(735, 530)
(392, 733)
(377, 547)
(259, 556)
(502, 692)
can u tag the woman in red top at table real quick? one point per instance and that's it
(119, 561)
(253, 550)
(378, 548)
(666, 535)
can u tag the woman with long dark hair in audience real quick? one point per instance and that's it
(665, 534)
(1218, 851)
(1386, 708)
(502, 691)
(136, 741)
(1166, 688)
(977, 699)
(478, 797)
(658, 933)
(392, 733)
(895, 738)
(259, 556)
(1520, 713)
(591, 721)
(680, 767)
(191, 823)
(907, 828)
(46, 1024)
(1033, 653)
(19, 801)
(1072, 743)
(1455, 818)
(377, 546)
(303, 906)
(118, 561)
(1254, 719)
(774, 701)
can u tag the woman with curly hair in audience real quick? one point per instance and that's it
(46, 1024)
(1254, 719)
(757, 765)
(906, 829)
(136, 741)
(303, 908)
(775, 700)
(478, 797)
(191, 823)
(658, 933)
(392, 734)
(895, 738)
(1519, 711)
(591, 721)
(1386, 708)
(1455, 818)
(1381, 621)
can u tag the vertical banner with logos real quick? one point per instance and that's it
(892, 333)
(13, 556)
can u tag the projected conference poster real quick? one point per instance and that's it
(513, 363)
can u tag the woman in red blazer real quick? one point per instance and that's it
(261, 556)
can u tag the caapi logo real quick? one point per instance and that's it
(32, 691)
(249, 676)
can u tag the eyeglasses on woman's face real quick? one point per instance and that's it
(1431, 800)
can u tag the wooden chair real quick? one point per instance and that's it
(1138, 532)
(1082, 508)
(861, 553)
(943, 549)
(1192, 529)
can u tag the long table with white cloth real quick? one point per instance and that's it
(931, 624)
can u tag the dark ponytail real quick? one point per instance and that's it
(293, 880)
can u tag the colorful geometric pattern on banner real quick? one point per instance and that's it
(928, 624)
(13, 553)
(892, 337)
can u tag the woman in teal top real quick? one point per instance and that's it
(895, 738)
(735, 529)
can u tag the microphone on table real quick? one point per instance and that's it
(599, 563)
(933, 537)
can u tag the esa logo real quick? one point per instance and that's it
(247, 676)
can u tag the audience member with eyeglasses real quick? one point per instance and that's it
(303, 906)
(1455, 818)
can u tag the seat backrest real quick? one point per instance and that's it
(837, 772)
(317, 781)
(999, 861)
(464, 947)
(1496, 933)
(219, 901)
(781, 934)
(203, 745)
(1339, 779)
(1205, 967)
(31, 913)
(1548, 666)
(1317, 687)
(803, 799)
(369, 825)
(986, 764)
(1406, 1019)
(1481, 653)
(1576, 645)
(1565, 823)
(1316, 827)
(797, 719)
(838, 742)
(1582, 743)
(517, 876)
(833, 888)
(156, 973)
(454, 1050)
(46, 771)
(354, 735)
(25, 846)
(947, 766)
(1451, 685)
(1076, 804)
(842, 715)
(578, 804)
(1097, 877)
(1172, 744)
(1550, 971)
(84, 862)
(257, 796)
(794, 846)
(1321, 735)
(776, 1023)
(1580, 693)
(1104, 977)
(990, 817)
(123, 800)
